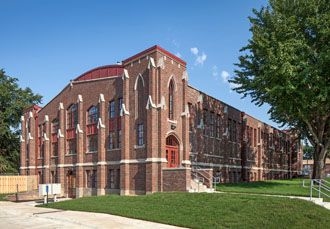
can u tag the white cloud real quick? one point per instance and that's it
(225, 75)
(194, 50)
(200, 59)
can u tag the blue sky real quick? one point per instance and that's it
(46, 43)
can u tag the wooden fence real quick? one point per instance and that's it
(12, 184)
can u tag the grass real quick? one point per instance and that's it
(2, 197)
(198, 210)
(292, 187)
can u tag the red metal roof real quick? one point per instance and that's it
(101, 72)
(155, 48)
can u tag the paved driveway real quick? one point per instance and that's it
(25, 215)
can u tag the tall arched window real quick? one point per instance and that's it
(72, 116)
(170, 100)
(93, 115)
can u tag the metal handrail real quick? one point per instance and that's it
(320, 186)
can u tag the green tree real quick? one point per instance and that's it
(13, 100)
(286, 64)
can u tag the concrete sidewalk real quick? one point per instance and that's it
(25, 215)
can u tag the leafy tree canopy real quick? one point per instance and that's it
(286, 64)
(13, 100)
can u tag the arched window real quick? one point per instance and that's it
(170, 100)
(72, 116)
(93, 115)
(139, 97)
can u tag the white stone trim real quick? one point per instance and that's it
(172, 121)
(46, 119)
(162, 104)
(80, 99)
(137, 79)
(123, 110)
(160, 63)
(185, 75)
(21, 139)
(151, 63)
(186, 162)
(78, 129)
(186, 111)
(30, 136)
(200, 98)
(59, 134)
(101, 98)
(125, 74)
(100, 124)
(155, 159)
(60, 106)
(150, 103)
(30, 114)
(45, 137)
(22, 118)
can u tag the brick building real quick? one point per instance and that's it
(138, 128)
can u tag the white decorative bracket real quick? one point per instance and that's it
(125, 75)
(185, 75)
(59, 134)
(162, 104)
(123, 110)
(226, 132)
(200, 98)
(225, 109)
(21, 139)
(45, 137)
(101, 98)
(79, 130)
(79, 99)
(60, 106)
(46, 119)
(30, 114)
(100, 124)
(150, 103)
(22, 118)
(30, 137)
(151, 63)
(71, 83)
(186, 111)
(201, 124)
(161, 63)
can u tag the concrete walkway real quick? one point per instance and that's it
(25, 215)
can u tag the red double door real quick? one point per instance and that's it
(172, 152)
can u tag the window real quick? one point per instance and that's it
(54, 130)
(212, 126)
(205, 131)
(111, 178)
(119, 139)
(218, 123)
(120, 103)
(140, 139)
(112, 140)
(170, 100)
(91, 178)
(72, 117)
(255, 137)
(71, 146)
(112, 109)
(93, 115)
(92, 143)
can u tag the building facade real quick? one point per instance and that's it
(138, 128)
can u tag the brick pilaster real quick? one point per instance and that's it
(101, 165)
(46, 143)
(80, 148)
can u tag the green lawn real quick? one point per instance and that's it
(292, 187)
(198, 210)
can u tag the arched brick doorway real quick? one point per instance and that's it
(172, 151)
